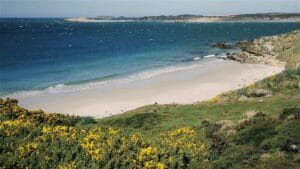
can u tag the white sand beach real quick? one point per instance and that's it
(189, 85)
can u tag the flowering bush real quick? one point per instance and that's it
(40, 140)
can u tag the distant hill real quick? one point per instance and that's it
(267, 17)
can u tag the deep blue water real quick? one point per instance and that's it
(38, 53)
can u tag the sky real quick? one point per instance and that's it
(92, 8)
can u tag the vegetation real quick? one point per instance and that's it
(36, 139)
(30, 139)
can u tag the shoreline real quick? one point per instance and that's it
(185, 86)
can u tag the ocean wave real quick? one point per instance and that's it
(101, 82)
(197, 58)
(209, 56)
(23, 94)
(203, 57)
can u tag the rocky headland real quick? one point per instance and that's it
(271, 51)
(276, 51)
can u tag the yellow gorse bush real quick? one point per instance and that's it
(14, 123)
(187, 139)
(113, 131)
(134, 138)
(149, 152)
(181, 131)
(27, 148)
(43, 137)
(12, 127)
(149, 157)
(137, 139)
(64, 132)
(94, 143)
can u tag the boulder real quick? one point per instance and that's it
(243, 98)
(258, 93)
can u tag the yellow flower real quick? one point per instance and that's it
(46, 129)
(27, 148)
(149, 151)
(14, 123)
(71, 165)
(65, 132)
(95, 144)
(180, 131)
(186, 139)
(112, 131)
(214, 100)
(134, 138)
(149, 164)
(109, 142)
(160, 165)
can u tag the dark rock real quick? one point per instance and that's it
(244, 44)
(223, 45)
(233, 56)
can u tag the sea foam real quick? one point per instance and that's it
(68, 88)
(203, 57)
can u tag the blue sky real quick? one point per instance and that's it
(74, 8)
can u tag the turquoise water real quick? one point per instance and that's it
(43, 54)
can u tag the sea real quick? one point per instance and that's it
(53, 55)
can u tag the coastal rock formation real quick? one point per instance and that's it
(267, 50)
(223, 45)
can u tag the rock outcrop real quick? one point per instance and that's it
(223, 45)
(265, 50)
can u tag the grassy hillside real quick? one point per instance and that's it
(254, 127)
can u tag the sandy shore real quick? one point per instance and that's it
(197, 83)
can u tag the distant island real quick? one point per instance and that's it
(259, 17)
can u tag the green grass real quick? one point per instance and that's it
(152, 119)
(170, 116)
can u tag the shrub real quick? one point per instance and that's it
(142, 121)
(278, 162)
(87, 120)
(255, 133)
(242, 156)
